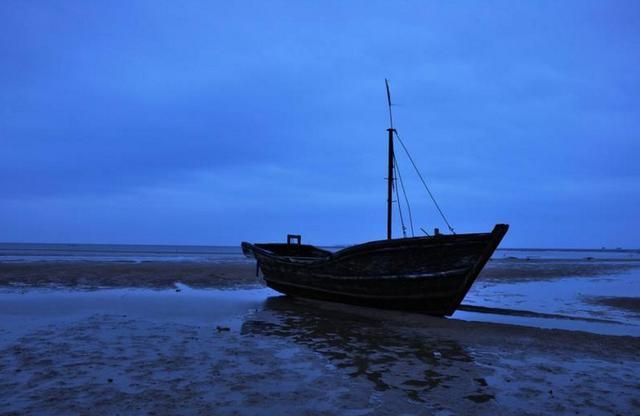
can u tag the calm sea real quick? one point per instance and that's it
(28, 252)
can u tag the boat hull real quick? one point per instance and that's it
(428, 274)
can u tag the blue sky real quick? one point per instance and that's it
(216, 122)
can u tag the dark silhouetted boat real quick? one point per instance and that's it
(431, 273)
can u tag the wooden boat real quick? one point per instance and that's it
(430, 274)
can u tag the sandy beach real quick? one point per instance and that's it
(151, 274)
(204, 338)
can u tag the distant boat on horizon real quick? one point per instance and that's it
(430, 273)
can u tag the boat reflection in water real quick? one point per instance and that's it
(395, 360)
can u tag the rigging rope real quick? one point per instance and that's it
(424, 183)
(404, 192)
(404, 229)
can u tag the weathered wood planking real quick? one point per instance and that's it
(430, 274)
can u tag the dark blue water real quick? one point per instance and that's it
(29, 252)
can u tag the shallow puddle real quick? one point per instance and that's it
(570, 296)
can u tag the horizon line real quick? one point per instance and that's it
(602, 248)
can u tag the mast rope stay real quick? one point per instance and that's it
(395, 171)
(404, 228)
(404, 192)
(424, 183)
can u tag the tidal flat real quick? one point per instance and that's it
(193, 338)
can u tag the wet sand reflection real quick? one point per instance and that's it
(389, 358)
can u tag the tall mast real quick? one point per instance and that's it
(390, 184)
(391, 130)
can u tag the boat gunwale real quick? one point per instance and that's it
(378, 246)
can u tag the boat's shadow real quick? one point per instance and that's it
(369, 347)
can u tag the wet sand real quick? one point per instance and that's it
(151, 274)
(518, 270)
(166, 348)
(620, 302)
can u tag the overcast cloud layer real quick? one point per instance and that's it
(216, 122)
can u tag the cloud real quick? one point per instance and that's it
(279, 108)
